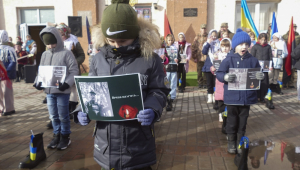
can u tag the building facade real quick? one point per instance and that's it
(20, 17)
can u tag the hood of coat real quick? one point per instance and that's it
(3, 37)
(56, 33)
(211, 31)
(149, 38)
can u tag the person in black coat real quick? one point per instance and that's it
(262, 51)
(296, 56)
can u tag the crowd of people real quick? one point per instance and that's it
(131, 144)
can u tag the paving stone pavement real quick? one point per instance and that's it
(187, 138)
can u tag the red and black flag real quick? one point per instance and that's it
(291, 44)
(168, 29)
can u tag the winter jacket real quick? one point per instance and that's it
(237, 97)
(296, 56)
(188, 52)
(59, 57)
(74, 45)
(197, 48)
(8, 55)
(280, 45)
(22, 61)
(286, 36)
(126, 145)
(262, 52)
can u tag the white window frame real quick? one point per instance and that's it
(38, 16)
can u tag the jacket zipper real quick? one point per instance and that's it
(50, 65)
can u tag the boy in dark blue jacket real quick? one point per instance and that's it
(238, 101)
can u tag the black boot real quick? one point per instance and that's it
(231, 148)
(239, 137)
(224, 125)
(45, 100)
(169, 105)
(269, 104)
(216, 106)
(17, 79)
(278, 89)
(273, 87)
(36, 154)
(64, 142)
(49, 125)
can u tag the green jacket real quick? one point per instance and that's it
(79, 55)
(297, 37)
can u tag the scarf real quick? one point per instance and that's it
(181, 47)
(182, 43)
(265, 44)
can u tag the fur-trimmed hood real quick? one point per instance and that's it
(149, 38)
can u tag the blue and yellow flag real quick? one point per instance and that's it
(246, 19)
(32, 149)
(274, 28)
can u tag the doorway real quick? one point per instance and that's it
(34, 31)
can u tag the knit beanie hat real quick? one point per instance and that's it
(240, 37)
(119, 21)
(49, 38)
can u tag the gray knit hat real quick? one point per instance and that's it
(119, 21)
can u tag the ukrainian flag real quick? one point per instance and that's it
(32, 149)
(246, 19)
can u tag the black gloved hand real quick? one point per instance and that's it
(38, 86)
(63, 87)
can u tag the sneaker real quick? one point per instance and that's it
(53, 144)
(64, 142)
(220, 117)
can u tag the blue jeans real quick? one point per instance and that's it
(172, 77)
(58, 106)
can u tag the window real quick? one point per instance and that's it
(144, 12)
(37, 16)
(261, 14)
